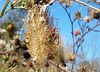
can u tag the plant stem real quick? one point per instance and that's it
(86, 33)
(57, 66)
(4, 7)
(87, 5)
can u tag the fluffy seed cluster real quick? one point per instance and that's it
(42, 38)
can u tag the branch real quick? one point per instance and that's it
(12, 6)
(85, 34)
(72, 32)
(57, 66)
(4, 7)
(87, 5)
(96, 30)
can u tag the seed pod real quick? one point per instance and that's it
(78, 15)
(96, 14)
(77, 32)
(26, 55)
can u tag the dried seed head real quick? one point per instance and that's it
(77, 15)
(96, 14)
(67, 3)
(10, 27)
(70, 57)
(42, 38)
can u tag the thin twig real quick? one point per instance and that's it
(87, 5)
(72, 33)
(57, 66)
(85, 34)
(83, 5)
(96, 30)
(13, 5)
(4, 7)
(80, 67)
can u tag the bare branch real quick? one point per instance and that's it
(57, 66)
(87, 5)
(85, 34)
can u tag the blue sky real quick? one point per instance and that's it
(91, 43)
(91, 40)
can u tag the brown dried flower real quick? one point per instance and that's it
(96, 14)
(70, 57)
(77, 15)
(10, 27)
